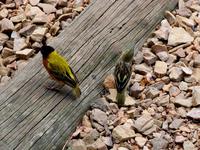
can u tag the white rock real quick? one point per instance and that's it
(19, 44)
(186, 102)
(38, 34)
(25, 54)
(34, 2)
(178, 35)
(140, 141)
(160, 68)
(6, 25)
(194, 113)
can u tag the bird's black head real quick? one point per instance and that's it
(46, 50)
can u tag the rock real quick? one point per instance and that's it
(181, 111)
(180, 53)
(159, 143)
(123, 133)
(171, 59)
(99, 116)
(136, 90)
(164, 30)
(91, 137)
(184, 12)
(4, 71)
(149, 57)
(3, 38)
(9, 60)
(196, 96)
(187, 70)
(101, 104)
(38, 34)
(142, 69)
(176, 74)
(145, 124)
(108, 141)
(194, 113)
(122, 148)
(140, 141)
(97, 126)
(78, 145)
(109, 82)
(138, 58)
(98, 144)
(180, 139)
(12, 66)
(55, 28)
(160, 68)
(31, 11)
(6, 25)
(7, 52)
(163, 56)
(34, 2)
(19, 44)
(3, 13)
(27, 30)
(159, 48)
(19, 18)
(188, 22)
(174, 91)
(40, 19)
(170, 18)
(162, 100)
(14, 35)
(188, 145)
(47, 8)
(183, 86)
(24, 54)
(182, 101)
(178, 35)
(176, 123)
(197, 61)
(152, 93)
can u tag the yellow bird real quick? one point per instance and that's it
(59, 69)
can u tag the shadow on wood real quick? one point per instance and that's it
(31, 117)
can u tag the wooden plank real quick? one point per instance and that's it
(31, 117)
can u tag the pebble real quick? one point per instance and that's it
(194, 113)
(160, 68)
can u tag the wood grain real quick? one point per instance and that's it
(32, 117)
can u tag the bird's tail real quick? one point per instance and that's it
(120, 98)
(77, 91)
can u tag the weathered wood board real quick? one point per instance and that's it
(32, 117)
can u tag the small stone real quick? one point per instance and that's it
(182, 101)
(19, 44)
(174, 91)
(4, 71)
(123, 133)
(54, 29)
(144, 124)
(187, 70)
(181, 111)
(9, 60)
(159, 143)
(91, 137)
(97, 126)
(7, 52)
(98, 144)
(101, 104)
(180, 139)
(164, 30)
(78, 145)
(40, 19)
(176, 123)
(38, 34)
(180, 53)
(160, 68)
(196, 96)
(3, 38)
(47, 8)
(197, 61)
(138, 58)
(140, 141)
(188, 22)
(183, 86)
(184, 12)
(194, 113)
(163, 56)
(24, 54)
(176, 74)
(27, 30)
(18, 18)
(142, 69)
(99, 116)
(152, 93)
(6, 25)
(13, 65)
(136, 90)
(149, 57)
(86, 122)
(178, 35)
(170, 17)
(108, 141)
(31, 11)
(159, 48)
(188, 145)
(3, 13)
(34, 2)
(171, 59)
(162, 100)
(109, 82)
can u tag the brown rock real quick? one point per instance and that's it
(136, 89)
(31, 11)
(55, 28)
(174, 91)
(40, 19)
(180, 53)
(47, 8)
(109, 82)
(24, 54)
(164, 30)
(196, 96)
(163, 56)
(3, 38)
(7, 52)
(19, 18)
(142, 69)
(78, 145)
(27, 30)
(176, 74)
(159, 48)
(188, 22)
(170, 18)
(3, 13)
(149, 57)
(6, 25)
(197, 61)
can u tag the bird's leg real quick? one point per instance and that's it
(55, 87)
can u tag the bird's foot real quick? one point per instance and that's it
(54, 87)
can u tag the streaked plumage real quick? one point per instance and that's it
(59, 69)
